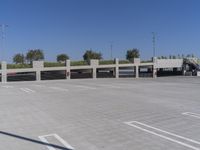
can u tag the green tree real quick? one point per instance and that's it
(19, 59)
(188, 56)
(34, 55)
(173, 57)
(90, 54)
(132, 53)
(62, 57)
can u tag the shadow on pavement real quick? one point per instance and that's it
(34, 141)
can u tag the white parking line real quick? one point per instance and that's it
(85, 87)
(195, 115)
(38, 85)
(7, 86)
(43, 139)
(27, 90)
(138, 125)
(59, 89)
(108, 86)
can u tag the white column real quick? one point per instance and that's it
(155, 67)
(4, 72)
(137, 71)
(38, 75)
(68, 71)
(94, 63)
(38, 66)
(117, 68)
(154, 72)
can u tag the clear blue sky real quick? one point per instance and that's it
(72, 26)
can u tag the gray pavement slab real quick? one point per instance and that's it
(92, 114)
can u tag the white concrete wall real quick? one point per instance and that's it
(38, 66)
(168, 63)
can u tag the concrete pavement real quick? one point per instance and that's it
(104, 114)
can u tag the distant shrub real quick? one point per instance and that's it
(18, 66)
(124, 62)
(53, 64)
(106, 62)
(79, 63)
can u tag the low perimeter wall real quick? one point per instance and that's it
(38, 68)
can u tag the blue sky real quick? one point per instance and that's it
(72, 26)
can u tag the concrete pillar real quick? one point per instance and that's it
(94, 73)
(184, 72)
(38, 66)
(137, 71)
(68, 71)
(38, 75)
(4, 72)
(94, 63)
(117, 68)
(136, 62)
(154, 72)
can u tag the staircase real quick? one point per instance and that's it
(191, 66)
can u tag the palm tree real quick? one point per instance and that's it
(19, 59)
(132, 53)
(90, 54)
(34, 55)
(62, 57)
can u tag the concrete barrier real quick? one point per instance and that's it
(38, 67)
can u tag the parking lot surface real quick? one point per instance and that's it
(101, 114)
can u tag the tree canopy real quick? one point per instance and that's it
(62, 57)
(34, 55)
(89, 54)
(132, 53)
(19, 58)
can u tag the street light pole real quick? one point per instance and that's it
(154, 43)
(3, 37)
(111, 50)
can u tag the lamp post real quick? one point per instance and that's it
(154, 43)
(3, 36)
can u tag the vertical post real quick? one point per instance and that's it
(117, 68)
(137, 71)
(154, 43)
(136, 62)
(94, 63)
(68, 71)
(154, 72)
(38, 65)
(4, 72)
(155, 67)
(38, 75)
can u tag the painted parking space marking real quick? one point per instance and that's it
(165, 134)
(38, 85)
(85, 87)
(7, 86)
(108, 86)
(27, 90)
(43, 138)
(59, 89)
(191, 114)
